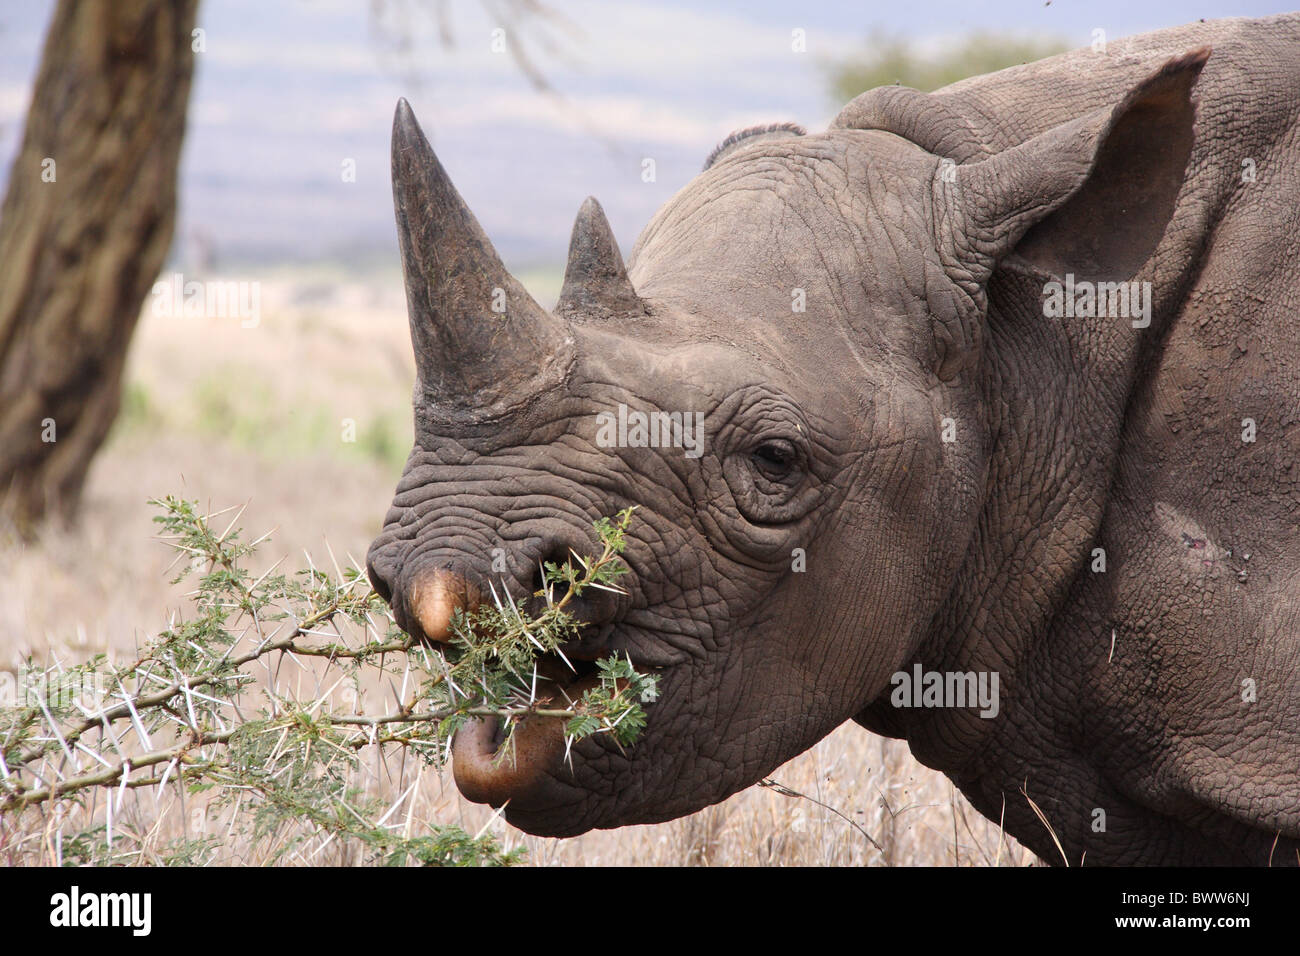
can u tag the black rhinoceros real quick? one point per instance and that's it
(999, 383)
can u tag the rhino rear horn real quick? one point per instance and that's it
(478, 335)
(595, 279)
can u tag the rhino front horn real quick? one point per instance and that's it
(595, 280)
(478, 335)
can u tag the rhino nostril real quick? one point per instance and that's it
(378, 582)
(592, 606)
(555, 558)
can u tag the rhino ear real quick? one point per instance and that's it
(1092, 196)
(750, 136)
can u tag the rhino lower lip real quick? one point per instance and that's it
(484, 774)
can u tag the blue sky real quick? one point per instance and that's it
(287, 91)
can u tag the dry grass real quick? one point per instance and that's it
(227, 415)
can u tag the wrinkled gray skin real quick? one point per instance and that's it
(924, 303)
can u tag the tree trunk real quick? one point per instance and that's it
(86, 225)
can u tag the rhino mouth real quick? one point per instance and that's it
(520, 759)
(494, 767)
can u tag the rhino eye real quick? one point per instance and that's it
(769, 478)
(775, 459)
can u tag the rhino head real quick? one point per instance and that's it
(820, 301)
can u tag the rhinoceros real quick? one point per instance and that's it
(999, 388)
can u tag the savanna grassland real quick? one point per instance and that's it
(304, 420)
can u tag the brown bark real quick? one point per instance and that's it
(79, 255)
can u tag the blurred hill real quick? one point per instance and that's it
(889, 59)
